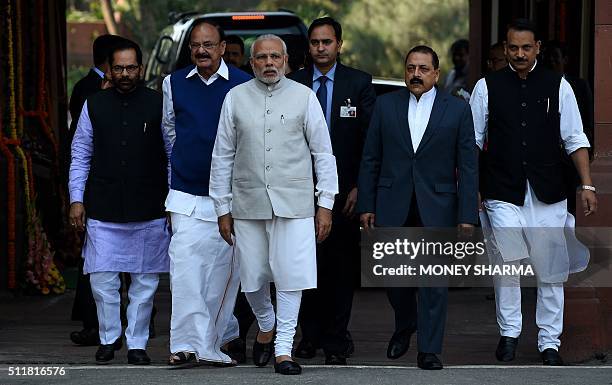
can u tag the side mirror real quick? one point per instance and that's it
(163, 49)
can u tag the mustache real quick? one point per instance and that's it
(416, 81)
(519, 60)
(202, 56)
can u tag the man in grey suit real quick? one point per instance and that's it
(419, 169)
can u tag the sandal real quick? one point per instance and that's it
(183, 360)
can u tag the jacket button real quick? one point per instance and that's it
(523, 85)
(123, 162)
(268, 130)
(524, 124)
(524, 143)
(524, 163)
(267, 168)
(268, 112)
(124, 123)
(125, 104)
(267, 186)
(268, 149)
(124, 143)
(524, 104)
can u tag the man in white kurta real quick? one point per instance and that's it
(521, 113)
(203, 271)
(271, 131)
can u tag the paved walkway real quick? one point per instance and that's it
(35, 330)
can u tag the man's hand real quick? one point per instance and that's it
(465, 230)
(323, 223)
(77, 216)
(106, 83)
(169, 222)
(589, 202)
(226, 228)
(367, 220)
(351, 201)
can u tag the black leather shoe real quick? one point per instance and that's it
(551, 357)
(305, 349)
(335, 359)
(288, 367)
(86, 337)
(428, 361)
(350, 348)
(506, 349)
(262, 352)
(106, 353)
(138, 357)
(236, 349)
(399, 344)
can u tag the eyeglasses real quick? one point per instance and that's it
(130, 69)
(207, 45)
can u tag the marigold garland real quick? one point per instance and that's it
(41, 271)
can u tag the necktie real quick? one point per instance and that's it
(322, 94)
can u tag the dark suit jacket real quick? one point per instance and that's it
(443, 173)
(88, 85)
(347, 134)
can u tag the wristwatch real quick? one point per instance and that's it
(587, 187)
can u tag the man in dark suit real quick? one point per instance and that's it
(419, 168)
(84, 307)
(347, 98)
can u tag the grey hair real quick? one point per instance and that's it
(269, 36)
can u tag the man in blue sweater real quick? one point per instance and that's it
(203, 270)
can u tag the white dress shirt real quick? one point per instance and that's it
(572, 133)
(419, 112)
(179, 202)
(318, 141)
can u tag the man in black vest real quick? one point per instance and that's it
(119, 174)
(84, 307)
(524, 112)
(347, 98)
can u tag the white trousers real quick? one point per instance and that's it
(550, 299)
(287, 309)
(105, 290)
(204, 283)
(279, 250)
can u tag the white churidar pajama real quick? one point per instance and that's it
(549, 308)
(287, 309)
(282, 251)
(105, 290)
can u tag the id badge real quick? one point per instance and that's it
(348, 112)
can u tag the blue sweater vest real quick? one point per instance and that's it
(196, 109)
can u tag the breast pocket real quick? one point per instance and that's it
(292, 123)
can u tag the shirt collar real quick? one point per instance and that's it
(429, 95)
(223, 71)
(316, 74)
(534, 64)
(98, 71)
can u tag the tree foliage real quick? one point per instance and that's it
(378, 34)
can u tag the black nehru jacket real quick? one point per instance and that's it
(524, 139)
(128, 177)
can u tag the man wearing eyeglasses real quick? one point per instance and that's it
(118, 174)
(347, 98)
(261, 180)
(203, 271)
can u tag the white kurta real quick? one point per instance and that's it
(282, 250)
